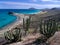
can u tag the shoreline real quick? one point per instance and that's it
(17, 22)
(12, 25)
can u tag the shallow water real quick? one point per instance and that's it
(6, 19)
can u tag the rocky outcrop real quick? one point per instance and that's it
(10, 12)
(55, 40)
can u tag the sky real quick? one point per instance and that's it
(25, 4)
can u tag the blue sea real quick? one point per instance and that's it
(6, 19)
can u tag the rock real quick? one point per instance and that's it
(10, 12)
(18, 43)
(31, 8)
(55, 40)
(2, 41)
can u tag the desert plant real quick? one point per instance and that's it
(41, 30)
(13, 36)
(23, 23)
(27, 25)
(50, 29)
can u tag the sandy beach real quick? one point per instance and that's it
(19, 21)
(14, 24)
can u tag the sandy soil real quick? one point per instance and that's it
(28, 39)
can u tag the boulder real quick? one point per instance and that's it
(55, 40)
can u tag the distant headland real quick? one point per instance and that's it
(31, 8)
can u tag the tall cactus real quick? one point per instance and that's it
(23, 23)
(55, 26)
(26, 24)
(50, 29)
(41, 30)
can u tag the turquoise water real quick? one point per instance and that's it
(6, 19)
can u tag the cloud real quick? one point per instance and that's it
(50, 0)
(34, 0)
(46, 0)
(20, 5)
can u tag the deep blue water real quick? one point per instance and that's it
(23, 11)
(6, 19)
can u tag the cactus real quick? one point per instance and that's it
(13, 36)
(27, 25)
(50, 29)
(23, 24)
(41, 30)
(8, 36)
(54, 26)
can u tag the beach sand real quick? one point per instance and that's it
(18, 21)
